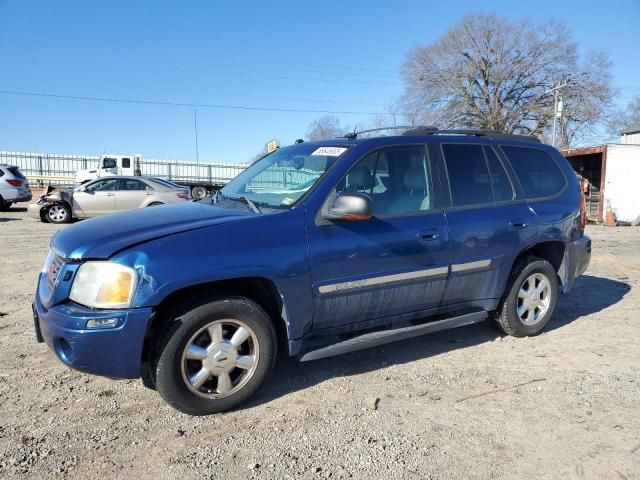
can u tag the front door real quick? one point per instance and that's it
(97, 198)
(488, 224)
(394, 263)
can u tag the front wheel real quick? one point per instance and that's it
(530, 298)
(198, 193)
(58, 213)
(214, 355)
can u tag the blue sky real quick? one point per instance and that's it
(324, 56)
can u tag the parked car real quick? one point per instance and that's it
(14, 186)
(105, 195)
(199, 298)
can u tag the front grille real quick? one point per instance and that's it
(52, 268)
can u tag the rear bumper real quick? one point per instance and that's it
(34, 210)
(110, 352)
(577, 257)
(15, 195)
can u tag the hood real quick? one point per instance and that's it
(102, 237)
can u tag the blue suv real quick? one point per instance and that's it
(318, 249)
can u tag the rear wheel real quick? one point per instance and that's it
(58, 213)
(4, 205)
(214, 356)
(198, 192)
(530, 298)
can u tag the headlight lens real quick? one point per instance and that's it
(104, 285)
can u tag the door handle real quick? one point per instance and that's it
(429, 235)
(109, 194)
(518, 224)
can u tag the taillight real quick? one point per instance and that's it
(14, 183)
(183, 195)
(583, 213)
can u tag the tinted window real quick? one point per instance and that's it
(397, 179)
(468, 175)
(102, 186)
(126, 163)
(129, 184)
(500, 183)
(16, 172)
(539, 174)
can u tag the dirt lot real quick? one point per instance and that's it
(462, 404)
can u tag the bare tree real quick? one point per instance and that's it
(489, 72)
(325, 127)
(629, 118)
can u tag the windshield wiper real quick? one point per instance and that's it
(252, 206)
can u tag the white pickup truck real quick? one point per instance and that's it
(181, 174)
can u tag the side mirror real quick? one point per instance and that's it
(350, 207)
(83, 189)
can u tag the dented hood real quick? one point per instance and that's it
(102, 237)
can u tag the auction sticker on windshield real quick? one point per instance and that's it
(329, 151)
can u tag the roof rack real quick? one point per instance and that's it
(431, 130)
(353, 135)
(471, 132)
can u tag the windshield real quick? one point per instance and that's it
(280, 179)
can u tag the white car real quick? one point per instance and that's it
(14, 186)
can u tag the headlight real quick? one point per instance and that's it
(104, 285)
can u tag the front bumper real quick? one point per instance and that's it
(34, 210)
(111, 352)
(577, 256)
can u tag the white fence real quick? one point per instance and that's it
(60, 169)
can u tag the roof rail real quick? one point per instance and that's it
(471, 132)
(353, 135)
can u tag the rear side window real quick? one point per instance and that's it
(126, 163)
(502, 188)
(468, 175)
(539, 174)
(16, 172)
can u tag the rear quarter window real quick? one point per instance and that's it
(16, 172)
(539, 174)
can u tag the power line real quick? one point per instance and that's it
(180, 104)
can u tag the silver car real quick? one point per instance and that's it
(106, 195)
(14, 187)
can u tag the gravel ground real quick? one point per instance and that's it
(462, 404)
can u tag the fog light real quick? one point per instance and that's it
(102, 323)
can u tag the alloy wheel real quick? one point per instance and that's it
(534, 298)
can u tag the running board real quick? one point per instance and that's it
(387, 336)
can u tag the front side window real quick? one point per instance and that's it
(102, 186)
(280, 179)
(109, 163)
(468, 175)
(539, 174)
(397, 179)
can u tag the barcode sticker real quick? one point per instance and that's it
(329, 151)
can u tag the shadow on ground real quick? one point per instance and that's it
(8, 219)
(589, 295)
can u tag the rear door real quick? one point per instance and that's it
(132, 193)
(394, 263)
(98, 198)
(489, 222)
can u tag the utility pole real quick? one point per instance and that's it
(555, 108)
(195, 128)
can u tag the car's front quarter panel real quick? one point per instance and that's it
(271, 246)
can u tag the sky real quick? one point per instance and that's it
(299, 59)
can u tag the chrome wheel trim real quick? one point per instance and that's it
(57, 213)
(534, 298)
(220, 358)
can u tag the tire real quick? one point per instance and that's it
(513, 316)
(198, 192)
(58, 213)
(4, 206)
(195, 361)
